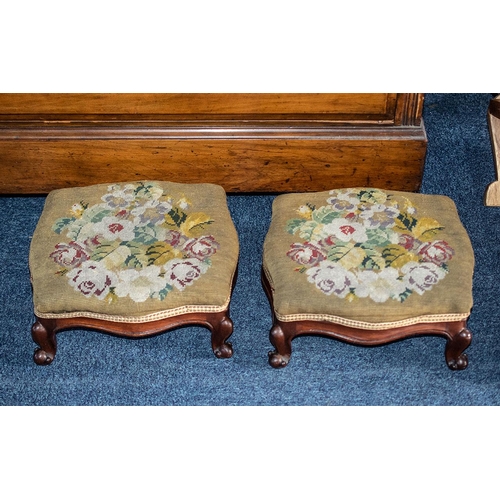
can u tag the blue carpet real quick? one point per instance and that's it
(179, 368)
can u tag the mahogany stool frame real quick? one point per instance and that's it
(44, 330)
(282, 333)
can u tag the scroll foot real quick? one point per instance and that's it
(220, 333)
(277, 360)
(40, 357)
(45, 337)
(455, 356)
(280, 357)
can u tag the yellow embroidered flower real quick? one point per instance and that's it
(353, 258)
(426, 228)
(160, 253)
(117, 257)
(193, 221)
(305, 212)
(77, 210)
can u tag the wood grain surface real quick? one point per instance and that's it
(244, 142)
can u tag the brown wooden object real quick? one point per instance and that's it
(492, 195)
(244, 142)
(44, 331)
(282, 333)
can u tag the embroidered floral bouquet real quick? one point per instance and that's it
(368, 243)
(139, 242)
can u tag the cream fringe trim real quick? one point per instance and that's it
(363, 325)
(169, 313)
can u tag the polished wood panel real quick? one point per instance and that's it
(244, 142)
(187, 106)
(259, 164)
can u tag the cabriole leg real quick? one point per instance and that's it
(44, 335)
(283, 347)
(222, 329)
(455, 347)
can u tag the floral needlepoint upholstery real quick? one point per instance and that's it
(367, 259)
(133, 252)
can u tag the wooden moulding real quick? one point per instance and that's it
(244, 142)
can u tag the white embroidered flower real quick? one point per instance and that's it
(184, 272)
(345, 230)
(379, 215)
(141, 284)
(421, 277)
(112, 228)
(153, 211)
(118, 197)
(343, 201)
(183, 203)
(332, 278)
(380, 285)
(92, 279)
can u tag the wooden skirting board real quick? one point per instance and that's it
(244, 142)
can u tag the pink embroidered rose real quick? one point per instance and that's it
(69, 254)
(436, 252)
(92, 279)
(306, 254)
(92, 242)
(175, 239)
(329, 241)
(332, 278)
(201, 248)
(184, 272)
(421, 276)
(407, 241)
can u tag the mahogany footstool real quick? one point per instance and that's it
(368, 267)
(133, 259)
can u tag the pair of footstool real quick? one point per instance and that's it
(361, 265)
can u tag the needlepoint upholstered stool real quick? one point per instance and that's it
(368, 267)
(133, 259)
